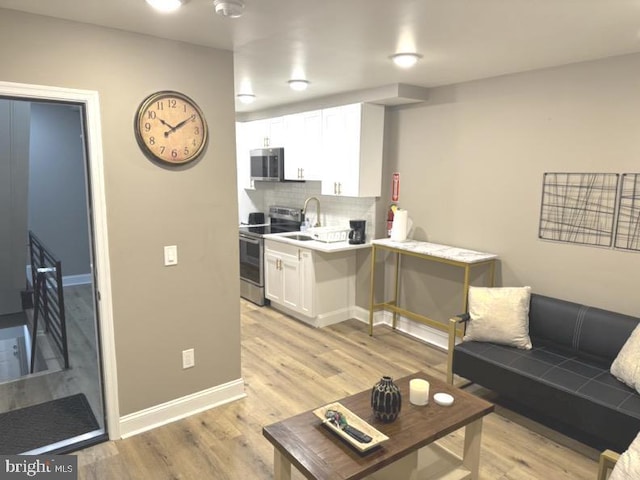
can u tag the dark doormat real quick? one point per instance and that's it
(39, 425)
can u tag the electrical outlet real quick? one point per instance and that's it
(188, 358)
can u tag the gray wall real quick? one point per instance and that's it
(57, 189)
(472, 159)
(158, 311)
(14, 174)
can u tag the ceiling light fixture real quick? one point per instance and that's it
(246, 98)
(298, 85)
(229, 8)
(405, 60)
(166, 6)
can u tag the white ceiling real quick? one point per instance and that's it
(344, 45)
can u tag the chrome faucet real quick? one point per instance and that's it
(304, 209)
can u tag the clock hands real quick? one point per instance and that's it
(165, 123)
(180, 125)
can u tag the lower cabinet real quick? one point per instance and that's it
(285, 273)
(313, 286)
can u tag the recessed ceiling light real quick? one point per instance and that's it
(229, 8)
(246, 97)
(405, 60)
(166, 5)
(298, 85)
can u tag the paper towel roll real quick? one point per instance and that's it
(399, 228)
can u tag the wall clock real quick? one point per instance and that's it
(170, 128)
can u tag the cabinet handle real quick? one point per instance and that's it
(302, 173)
(299, 255)
(265, 141)
(335, 188)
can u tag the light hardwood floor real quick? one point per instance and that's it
(289, 368)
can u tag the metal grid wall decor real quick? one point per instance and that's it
(579, 208)
(628, 224)
(601, 209)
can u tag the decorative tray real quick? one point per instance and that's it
(353, 420)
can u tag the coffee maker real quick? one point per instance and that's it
(356, 235)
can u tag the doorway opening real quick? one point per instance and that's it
(52, 327)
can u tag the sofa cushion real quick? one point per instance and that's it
(566, 391)
(499, 315)
(626, 366)
(587, 332)
(561, 371)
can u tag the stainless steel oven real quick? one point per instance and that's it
(252, 268)
(282, 219)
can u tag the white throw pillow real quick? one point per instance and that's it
(628, 465)
(499, 315)
(626, 366)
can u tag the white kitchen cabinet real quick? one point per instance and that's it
(284, 282)
(352, 143)
(313, 286)
(243, 163)
(266, 133)
(307, 282)
(303, 154)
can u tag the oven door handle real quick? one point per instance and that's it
(245, 238)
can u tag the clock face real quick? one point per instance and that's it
(171, 128)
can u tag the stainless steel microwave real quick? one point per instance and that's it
(267, 164)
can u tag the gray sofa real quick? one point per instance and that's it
(564, 380)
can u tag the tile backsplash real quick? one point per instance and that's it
(334, 211)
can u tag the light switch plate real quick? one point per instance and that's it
(188, 358)
(170, 255)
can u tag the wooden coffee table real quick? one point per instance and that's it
(318, 453)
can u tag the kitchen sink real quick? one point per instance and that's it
(297, 236)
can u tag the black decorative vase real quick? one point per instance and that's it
(386, 400)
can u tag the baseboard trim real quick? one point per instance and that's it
(332, 318)
(71, 280)
(319, 321)
(430, 335)
(179, 408)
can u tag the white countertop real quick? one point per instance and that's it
(447, 252)
(316, 244)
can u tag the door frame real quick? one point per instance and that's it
(91, 101)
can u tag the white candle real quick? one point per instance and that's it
(419, 391)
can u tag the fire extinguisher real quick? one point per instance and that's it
(395, 196)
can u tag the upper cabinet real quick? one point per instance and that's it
(341, 147)
(269, 132)
(303, 151)
(352, 150)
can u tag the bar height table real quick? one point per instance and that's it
(458, 257)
